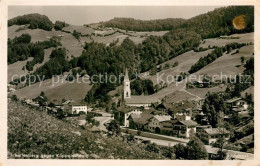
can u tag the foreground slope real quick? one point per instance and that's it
(37, 133)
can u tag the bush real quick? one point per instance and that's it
(152, 148)
(114, 128)
(14, 98)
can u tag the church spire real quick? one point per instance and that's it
(126, 78)
(127, 90)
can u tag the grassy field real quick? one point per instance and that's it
(16, 69)
(227, 64)
(79, 28)
(68, 41)
(185, 60)
(243, 38)
(37, 133)
(56, 91)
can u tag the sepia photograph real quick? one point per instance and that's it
(130, 82)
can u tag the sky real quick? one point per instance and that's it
(79, 15)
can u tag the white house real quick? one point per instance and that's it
(183, 129)
(76, 109)
(238, 104)
(210, 135)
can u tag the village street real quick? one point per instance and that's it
(103, 119)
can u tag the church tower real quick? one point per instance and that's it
(127, 90)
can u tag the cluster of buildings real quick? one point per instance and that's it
(68, 107)
(147, 113)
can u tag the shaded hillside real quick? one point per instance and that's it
(36, 133)
(212, 24)
(143, 25)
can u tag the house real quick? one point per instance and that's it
(124, 112)
(210, 135)
(75, 108)
(167, 127)
(154, 124)
(183, 129)
(237, 104)
(136, 101)
(140, 122)
(178, 107)
(163, 108)
(183, 115)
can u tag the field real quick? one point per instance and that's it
(243, 38)
(56, 91)
(185, 61)
(228, 64)
(68, 41)
(15, 69)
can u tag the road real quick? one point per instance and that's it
(103, 119)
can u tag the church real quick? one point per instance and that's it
(136, 101)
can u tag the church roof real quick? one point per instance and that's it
(126, 109)
(126, 77)
(142, 100)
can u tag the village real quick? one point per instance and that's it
(165, 123)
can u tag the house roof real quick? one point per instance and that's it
(127, 109)
(144, 118)
(233, 100)
(135, 116)
(248, 91)
(142, 100)
(162, 118)
(188, 123)
(162, 105)
(176, 107)
(215, 131)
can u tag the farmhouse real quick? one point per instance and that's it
(136, 101)
(183, 129)
(140, 122)
(154, 124)
(210, 135)
(167, 127)
(237, 104)
(124, 112)
(75, 108)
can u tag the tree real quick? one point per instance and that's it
(214, 103)
(180, 151)
(60, 114)
(114, 128)
(242, 59)
(196, 149)
(139, 132)
(14, 98)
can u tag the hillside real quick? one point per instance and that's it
(33, 132)
(98, 49)
(143, 25)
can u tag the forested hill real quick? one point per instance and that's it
(211, 24)
(34, 20)
(143, 25)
